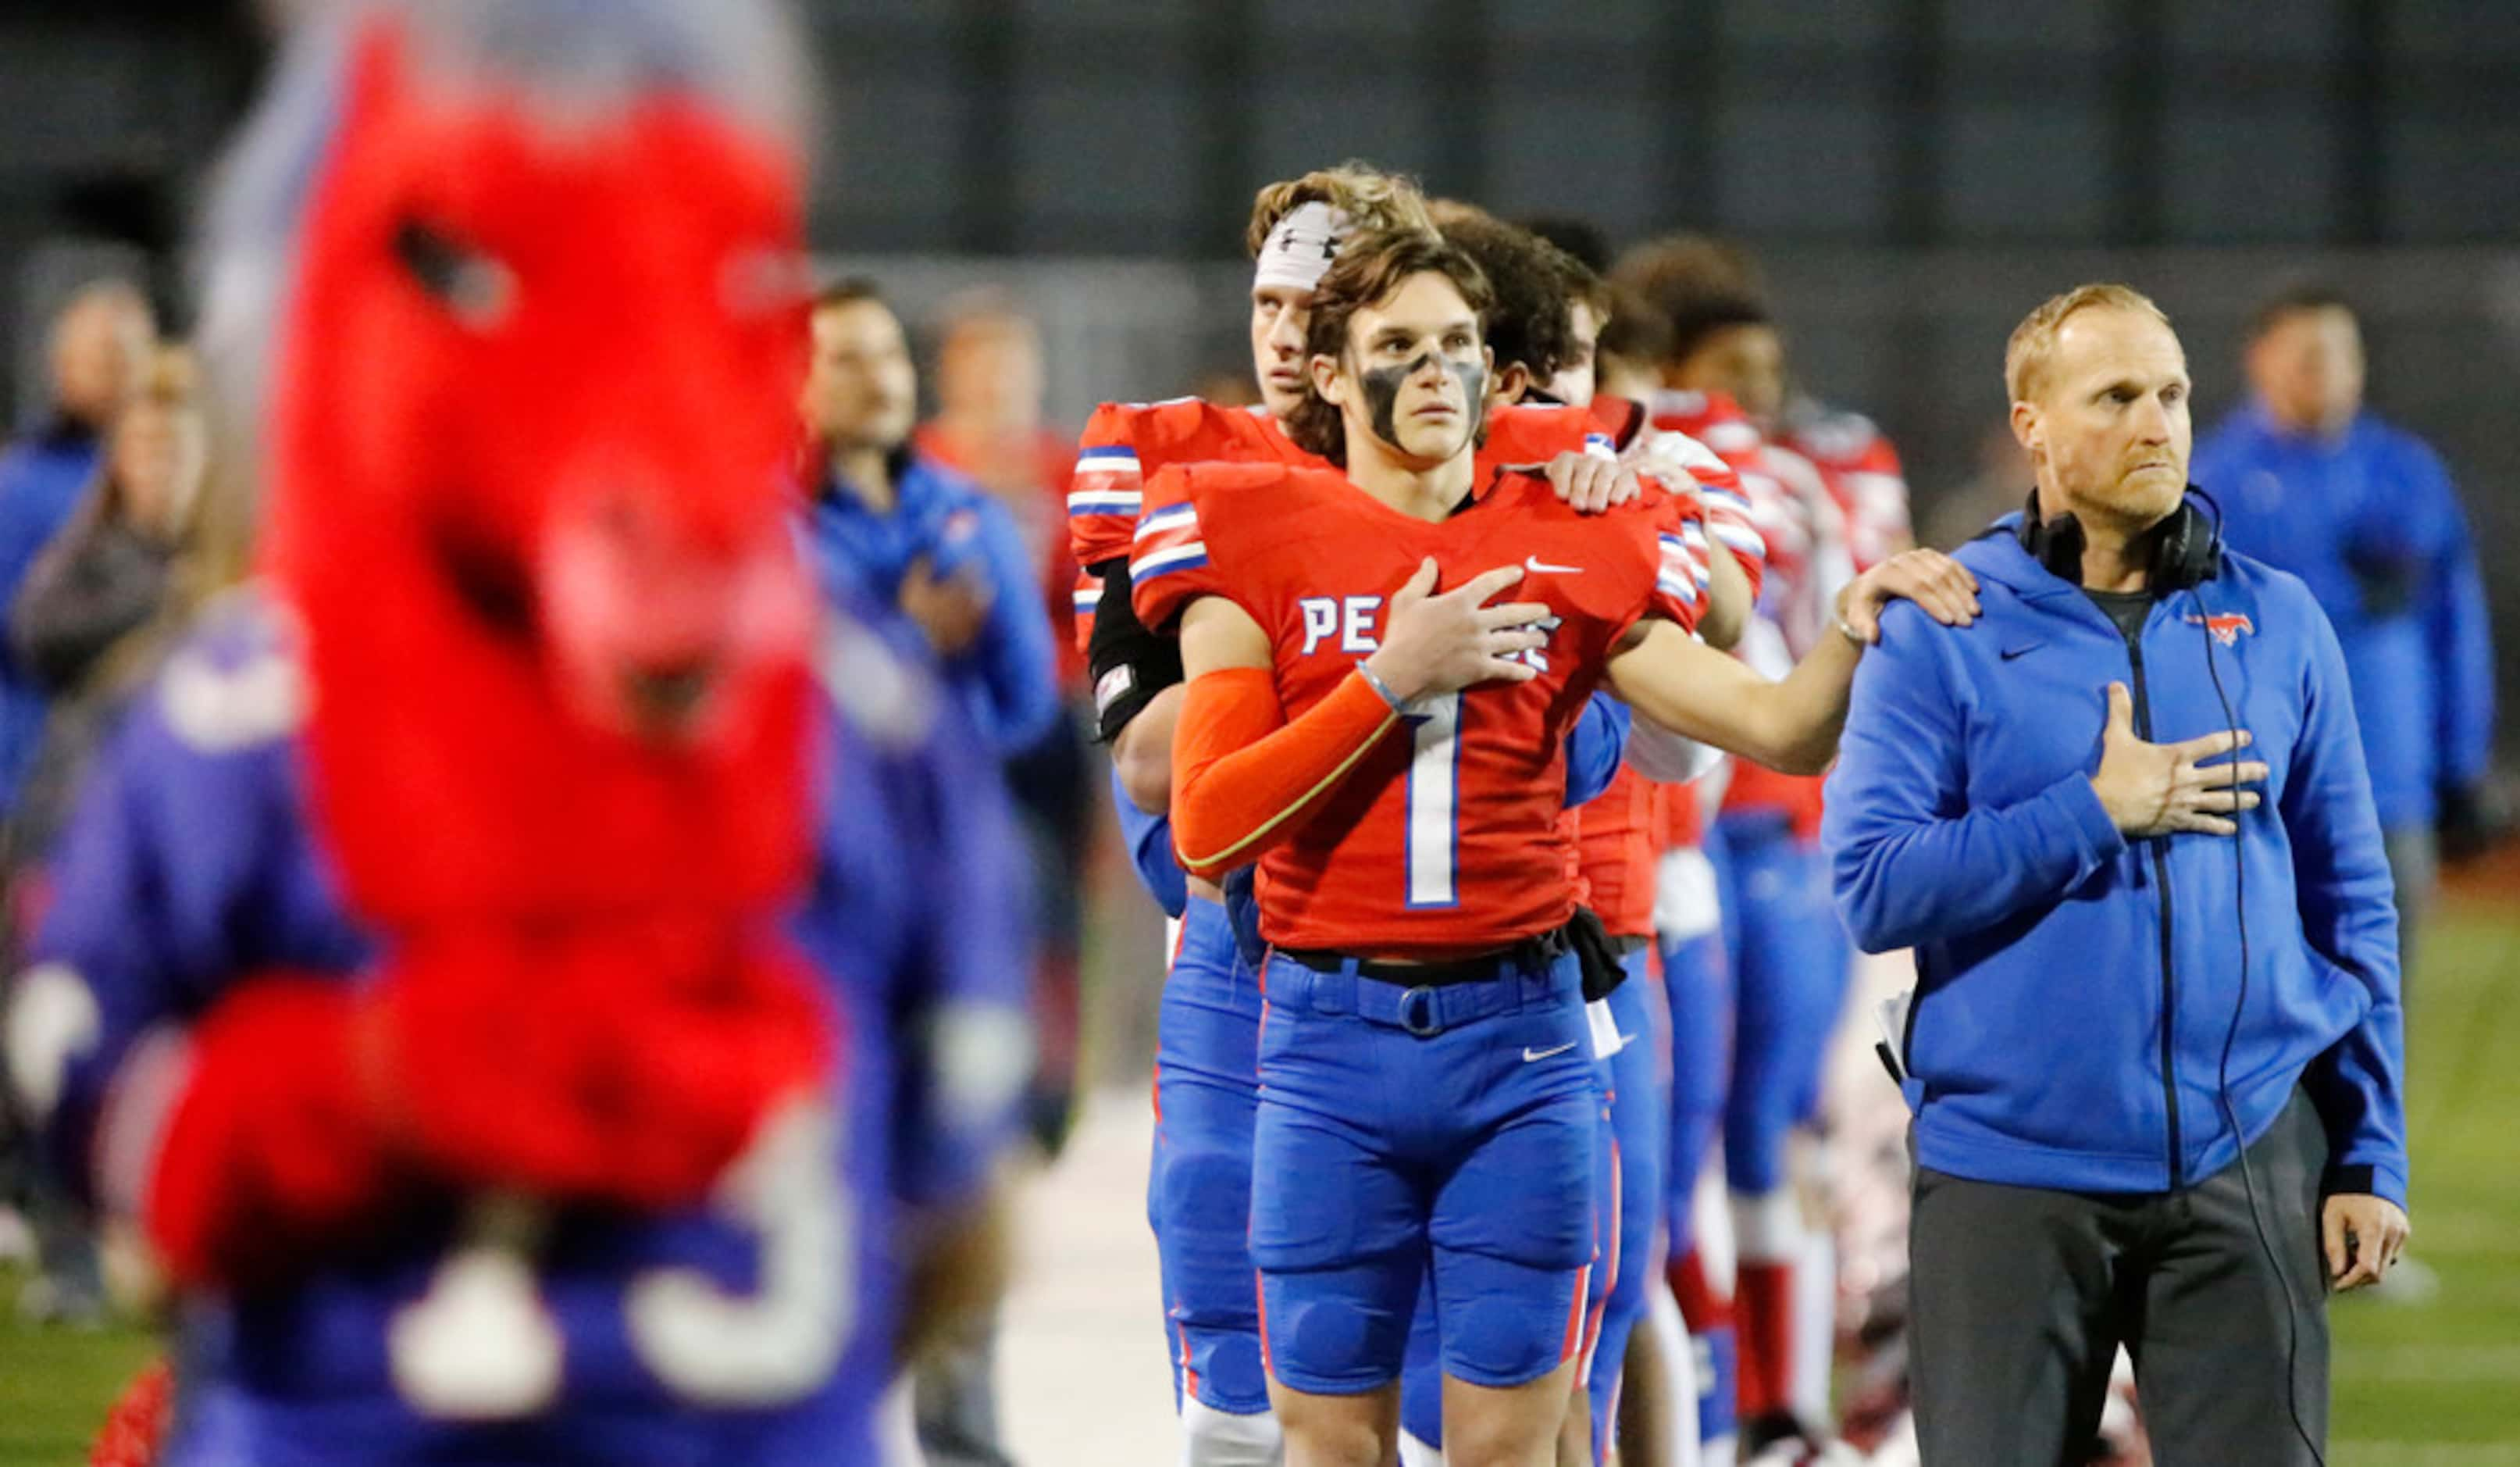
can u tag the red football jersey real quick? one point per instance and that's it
(1125, 443)
(1447, 839)
(1806, 563)
(1619, 838)
(1809, 563)
(1861, 468)
(1679, 814)
(1657, 444)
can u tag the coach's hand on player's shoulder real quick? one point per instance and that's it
(1435, 643)
(1939, 585)
(1590, 483)
(2363, 1235)
(2157, 788)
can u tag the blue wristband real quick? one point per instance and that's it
(1382, 690)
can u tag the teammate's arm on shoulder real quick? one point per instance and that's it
(1790, 726)
(1726, 614)
(1682, 684)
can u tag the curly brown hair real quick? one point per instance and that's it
(1370, 268)
(1532, 320)
(1371, 198)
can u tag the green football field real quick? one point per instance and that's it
(2429, 1385)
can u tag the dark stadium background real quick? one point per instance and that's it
(1915, 174)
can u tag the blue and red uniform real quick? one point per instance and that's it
(757, 1328)
(1208, 1024)
(1382, 1146)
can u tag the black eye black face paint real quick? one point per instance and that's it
(1382, 393)
(1473, 379)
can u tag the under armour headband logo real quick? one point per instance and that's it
(1299, 251)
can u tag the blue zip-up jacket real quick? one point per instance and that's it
(2369, 520)
(1008, 678)
(2075, 989)
(42, 479)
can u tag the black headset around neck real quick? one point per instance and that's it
(2183, 551)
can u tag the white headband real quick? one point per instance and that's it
(1299, 251)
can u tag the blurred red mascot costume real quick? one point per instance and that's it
(529, 396)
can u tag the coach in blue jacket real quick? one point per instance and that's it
(2154, 1048)
(2364, 514)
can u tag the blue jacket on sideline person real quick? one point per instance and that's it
(2369, 520)
(1008, 678)
(41, 479)
(2076, 990)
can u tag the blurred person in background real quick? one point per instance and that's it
(104, 577)
(909, 531)
(895, 526)
(988, 426)
(100, 344)
(1631, 345)
(2310, 482)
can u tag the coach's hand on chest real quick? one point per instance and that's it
(2043, 705)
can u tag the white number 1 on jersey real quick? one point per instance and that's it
(1435, 805)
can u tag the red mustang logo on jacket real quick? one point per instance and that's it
(2225, 628)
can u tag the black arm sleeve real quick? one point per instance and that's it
(1129, 664)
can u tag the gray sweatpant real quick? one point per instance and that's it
(2021, 1296)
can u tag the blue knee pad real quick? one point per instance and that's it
(1790, 979)
(1639, 1112)
(1200, 1187)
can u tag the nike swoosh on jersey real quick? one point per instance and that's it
(2010, 652)
(1535, 563)
(1529, 1054)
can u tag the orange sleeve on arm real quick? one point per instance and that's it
(1244, 776)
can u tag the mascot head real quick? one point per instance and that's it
(515, 292)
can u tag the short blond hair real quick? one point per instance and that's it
(2033, 340)
(1375, 202)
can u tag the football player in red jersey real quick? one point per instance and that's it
(1415, 951)
(1210, 1014)
(1293, 234)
